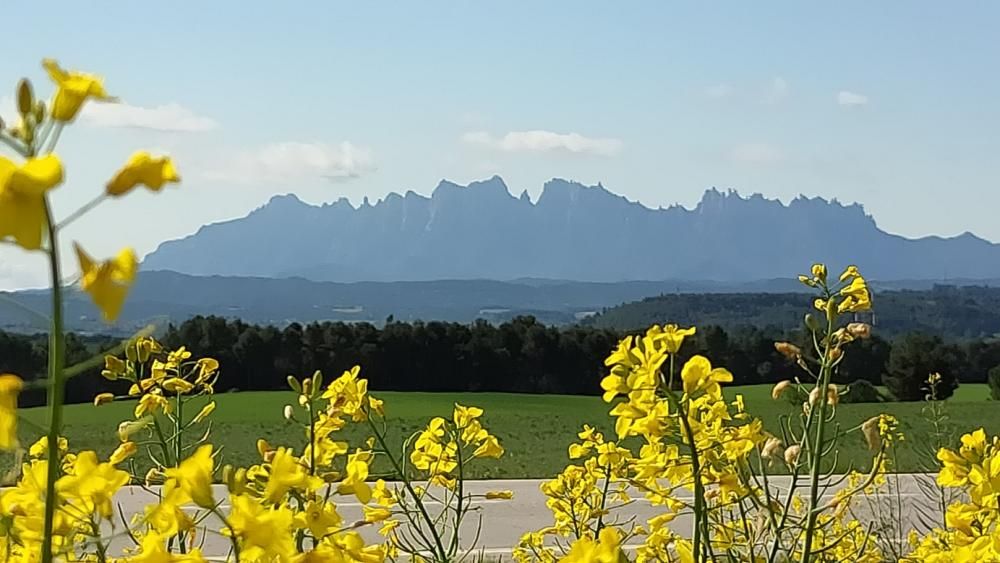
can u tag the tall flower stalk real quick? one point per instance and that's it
(28, 220)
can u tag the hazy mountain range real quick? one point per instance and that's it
(572, 232)
(479, 252)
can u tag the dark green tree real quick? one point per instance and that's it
(913, 358)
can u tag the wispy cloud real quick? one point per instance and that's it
(167, 117)
(545, 141)
(847, 98)
(777, 90)
(293, 162)
(756, 153)
(719, 91)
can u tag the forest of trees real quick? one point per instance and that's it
(522, 355)
(951, 312)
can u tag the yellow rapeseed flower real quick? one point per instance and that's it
(194, 477)
(672, 337)
(72, 90)
(357, 472)
(22, 198)
(464, 416)
(151, 403)
(108, 283)
(145, 170)
(489, 448)
(699, 375)
(10, 386)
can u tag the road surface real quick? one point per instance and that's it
(502, 521)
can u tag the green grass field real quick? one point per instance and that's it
(535, 429)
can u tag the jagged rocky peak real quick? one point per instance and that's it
(286, 200)
(483, 231)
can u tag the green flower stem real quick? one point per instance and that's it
(816, 456)
(56, 385)
(409, 488)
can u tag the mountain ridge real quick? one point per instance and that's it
(571, 231)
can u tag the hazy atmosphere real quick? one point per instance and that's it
(500, 282)
(657, 103)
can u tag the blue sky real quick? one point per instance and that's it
(891, 104)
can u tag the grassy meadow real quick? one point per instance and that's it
(535, 429)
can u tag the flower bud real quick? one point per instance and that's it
(307, 386)
(788, 350)
(792, 454)
(288, 412)
(294, 384)
(819, 272)
(263, 447)
(317, 380)
(806, 280)
(131, 353)
(499, 495)
(25, 98)
(780, 388)
(859, 330)
(811, 322)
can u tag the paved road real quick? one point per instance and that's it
(503, 521)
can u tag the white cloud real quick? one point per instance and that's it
(777, 91)
(15, 275)
(756, 153)
(294, 161)
(719, 91)
(846, 98)
(545, 141)
(168, 117)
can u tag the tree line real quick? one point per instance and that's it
(521, 356)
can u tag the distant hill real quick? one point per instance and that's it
(947, 311)
(572, 232)
(161, 297)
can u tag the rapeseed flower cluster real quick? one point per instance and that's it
(690, 451)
